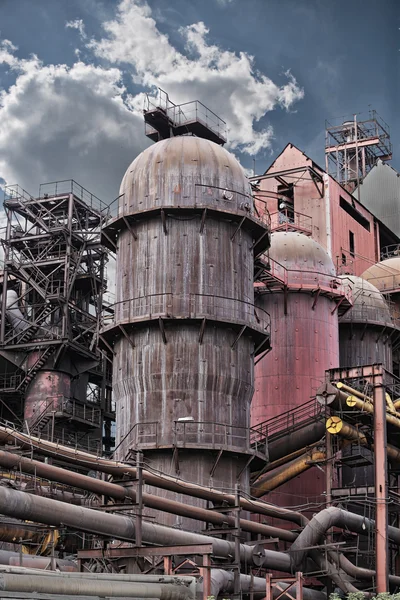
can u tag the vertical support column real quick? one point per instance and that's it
(167, 565)
(328, 468)
(139, 501)
(299, 585)
(236, 590)
(5, 276)
(268, 587)
(206, 572)
(381, 521)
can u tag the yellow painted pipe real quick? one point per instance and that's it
(346, 388)
(354, 402)
(272, 480)
(336, 426)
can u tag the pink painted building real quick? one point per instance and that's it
(324, 209)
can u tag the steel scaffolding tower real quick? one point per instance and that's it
(53, 378)
(353, 147)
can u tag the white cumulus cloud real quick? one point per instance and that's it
(60, 122)
(79, 121)
(225, 81)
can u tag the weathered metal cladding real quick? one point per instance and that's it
(224, 474)
(364, 339)
(184, 172)
(364, 331)
(46, 391)
(184, 271)
(184, 282)
(360, 346)
(159, 383)
(305, 343)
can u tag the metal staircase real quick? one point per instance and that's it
(30, 374)
(290, 421)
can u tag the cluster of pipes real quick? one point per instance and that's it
(302, 554)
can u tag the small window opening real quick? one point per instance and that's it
(351, 244)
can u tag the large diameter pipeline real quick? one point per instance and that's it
(36, 562)
(336, 426)
(223, 581)
(332, 516)
(273, 479)
(166, 482)
(27, 465)
(52, 512)
(43, 584)
(306, 436)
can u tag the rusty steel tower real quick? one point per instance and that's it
(186, 330)
(354, 146)
(54, 381)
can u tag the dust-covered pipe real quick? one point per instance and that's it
(97, 486)
(52, 512)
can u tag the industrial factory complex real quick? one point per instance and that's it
(228, 424)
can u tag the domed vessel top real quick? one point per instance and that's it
(296, 251)
(384, 275)
(185, 171)
(368, 303)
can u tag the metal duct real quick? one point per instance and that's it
(308, 435)
(273, 479)
(52, 512)
(120, 469)
(332, 516)
(43, 584)
(223, 581)
(37, 562)
(27, 465)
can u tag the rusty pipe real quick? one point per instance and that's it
(223, 581)
(38, 562)
(355, 402)
(358, 572)
(352, 392)
(336, 426)
(270, 481)
(332, 516)
(306, 436)
(52, 512)
(43, 584)
(52, 473)
(166, 482)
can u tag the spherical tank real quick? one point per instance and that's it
(364, 330)
(183, 370)
(305, 343)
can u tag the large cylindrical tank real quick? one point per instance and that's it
(304, 338)
(186, 330)
(365, 338)
(46, 393)
(365, 330)
(385, 276)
